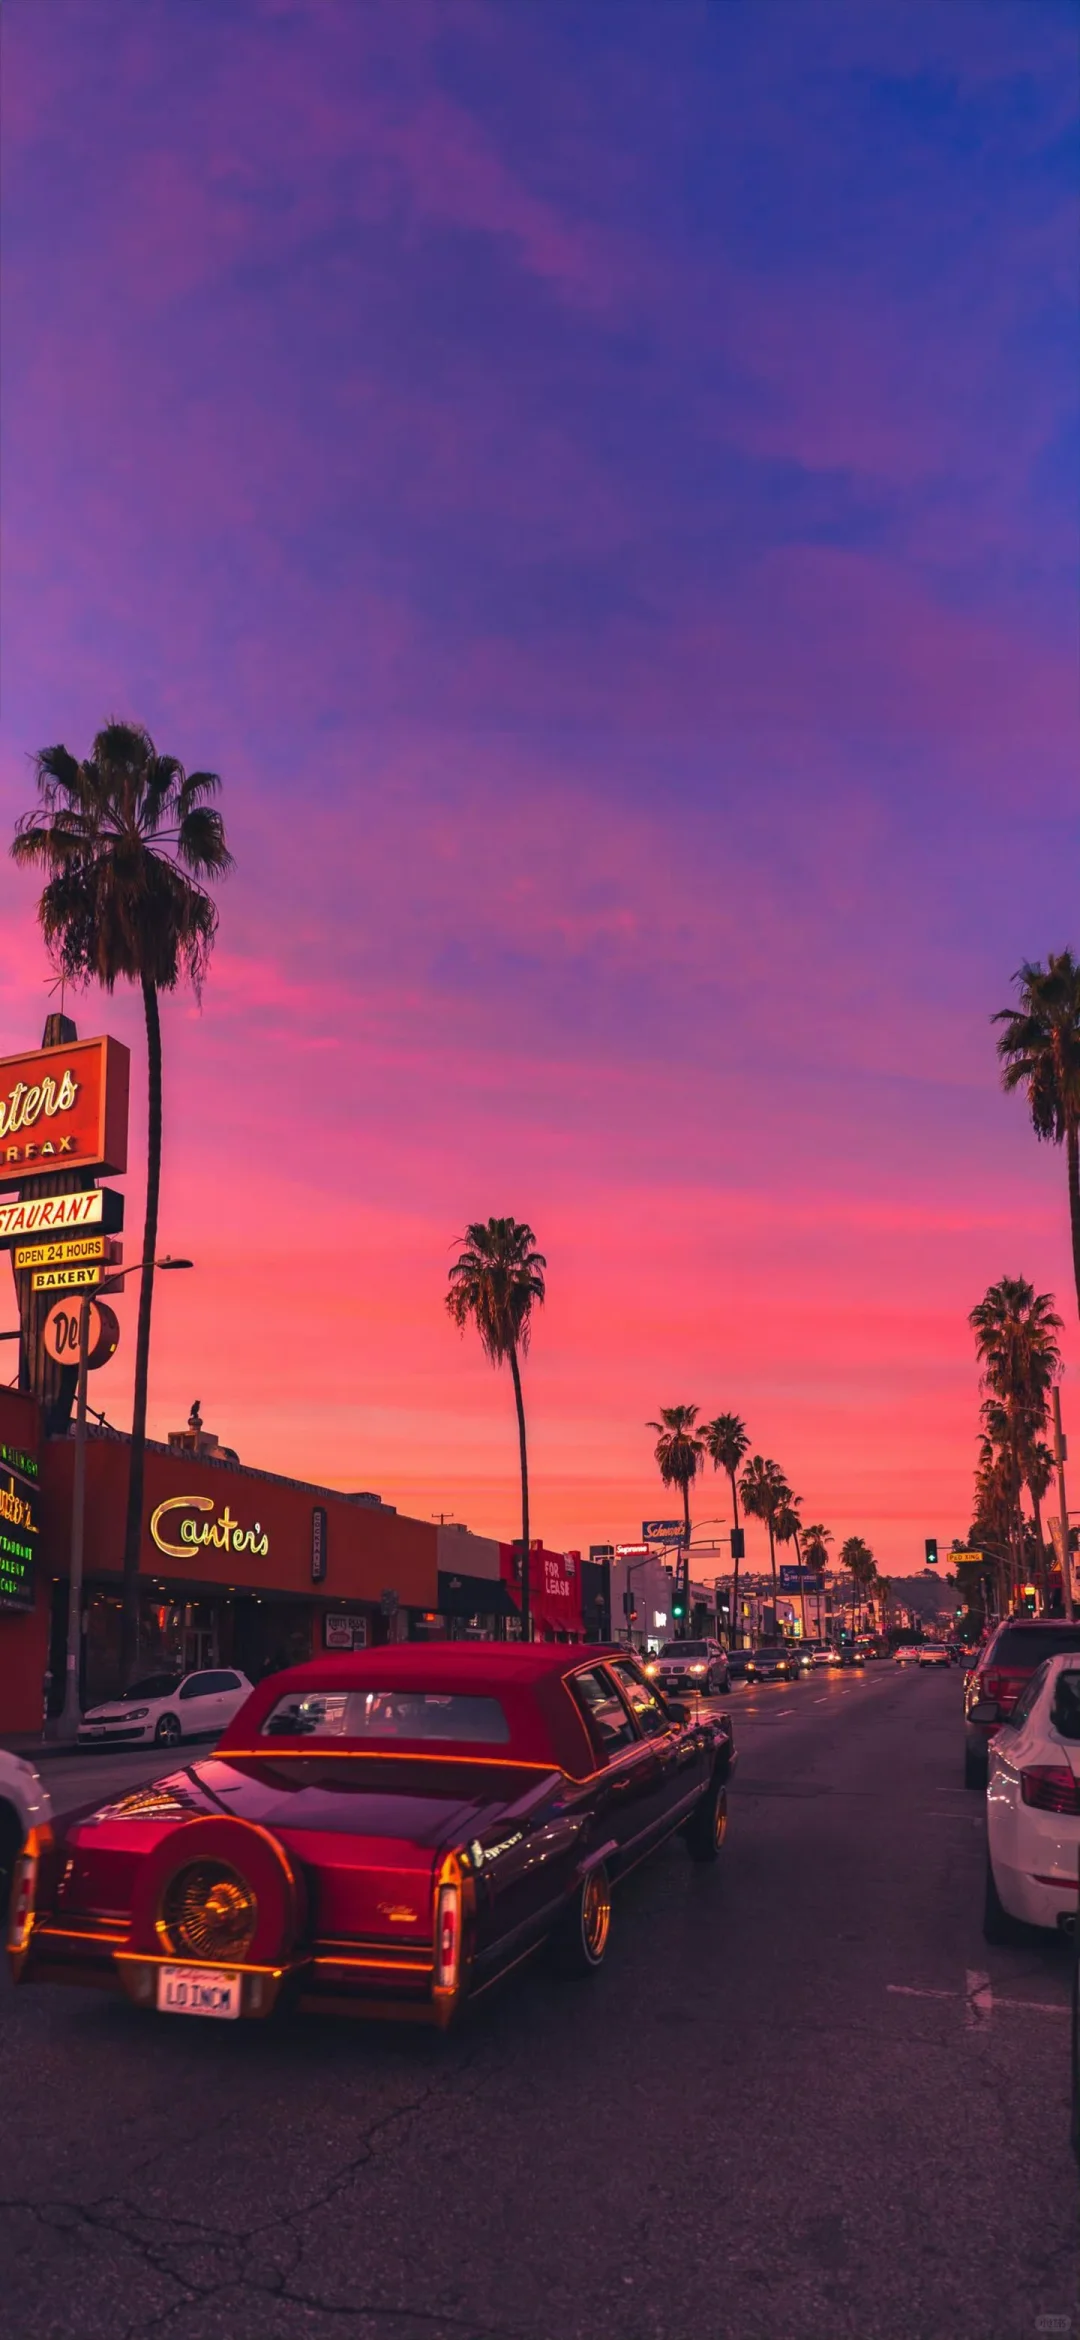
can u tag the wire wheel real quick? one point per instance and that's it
(208, 1911)
(595, 1914)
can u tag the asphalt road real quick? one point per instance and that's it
(803, 2101)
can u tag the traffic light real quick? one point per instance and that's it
(629, 1609)
(678, 1606)
(931, 1551)
(738, 1544)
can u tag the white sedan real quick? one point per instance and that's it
(1033, 1805)
(165, 1708)
(933, 1653)
(24, 1804)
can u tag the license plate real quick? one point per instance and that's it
(198, 1990)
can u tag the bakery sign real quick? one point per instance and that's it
(64, 1108)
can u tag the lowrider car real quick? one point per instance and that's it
(387, 1833)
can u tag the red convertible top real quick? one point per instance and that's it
(546, 1729)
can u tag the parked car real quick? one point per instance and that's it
(701, 1666)
(162, 1709)
(1033, 1805)
(934, 1653)
(386, 1833)
(24, 1804)
(772, 1663)
(1005, 1663)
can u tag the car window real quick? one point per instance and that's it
(229, 1682)
(687, 1649)
(644, 1704)
(1027, 1645)
(387, 1714)
(195, 1686)
(1031, 1691)
(610, 1726)
(151, 1686)
(1065, 1711)
(212, 1682)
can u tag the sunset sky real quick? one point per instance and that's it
(599, 481)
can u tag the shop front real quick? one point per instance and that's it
(237, 1566)
(554, 1590)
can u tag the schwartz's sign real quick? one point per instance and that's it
(64, 1108)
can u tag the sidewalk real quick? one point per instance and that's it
(38, 1750)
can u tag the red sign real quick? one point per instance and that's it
(64, 1108)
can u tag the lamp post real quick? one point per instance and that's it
(1059, 1458)
(71, 1714)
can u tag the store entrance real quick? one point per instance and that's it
(200, 1647)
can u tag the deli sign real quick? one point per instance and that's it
(64, 1108)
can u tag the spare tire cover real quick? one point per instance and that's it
(256, 1856)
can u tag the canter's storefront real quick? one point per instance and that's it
(238, 1567)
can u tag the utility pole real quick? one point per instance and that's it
(1059, 1458)
(72, 1709)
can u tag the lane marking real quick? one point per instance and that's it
(980, 2000)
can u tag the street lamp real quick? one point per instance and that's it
(71, 1713)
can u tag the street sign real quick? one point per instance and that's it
(957, 1555)
(55, 1214)
(790, 1579)
(60, 1333)
(662, 1531)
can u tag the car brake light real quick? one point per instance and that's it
(23, 1896)
(1003, 1688)
(1051, 1787)
(448, 1927)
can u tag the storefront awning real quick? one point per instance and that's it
(473, 1596)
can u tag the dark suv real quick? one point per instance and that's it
(1004, 1664)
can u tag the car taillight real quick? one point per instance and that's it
(448, 1927)
(1051, 1787)
(23, 1896)
(1004, 1689)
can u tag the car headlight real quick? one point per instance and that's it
(138, 1714)
(697, 1669)
(654, 1669)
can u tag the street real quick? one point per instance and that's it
(803, 2099)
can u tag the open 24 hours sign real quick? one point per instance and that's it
(20, 1528)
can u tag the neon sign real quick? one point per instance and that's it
(220, 1535)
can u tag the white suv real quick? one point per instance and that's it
(690, 1665)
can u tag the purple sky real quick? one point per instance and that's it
(599, 482)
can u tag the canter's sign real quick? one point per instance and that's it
(64, 1108)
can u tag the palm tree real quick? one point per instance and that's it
(125, 836)
(765, 1494)
(679, 1451)
(855, 1555)
(1040, 1053)
(814, 1539)
(1016, 1332)
(497, 1279)
(726, 1441)
(788, 1531)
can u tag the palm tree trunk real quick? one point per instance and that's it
(1040, 1551)
(1072, 1159)
(686, 1557)
(802, 1596)
(772, 1564)
(129, 1627)
(526, 1614)
(736, 1636)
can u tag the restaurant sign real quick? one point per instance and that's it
(20, 1528)
(180, 1537)
(55, 1214)
(64, 1107)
